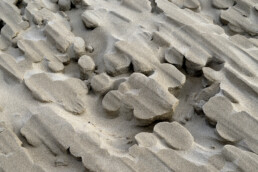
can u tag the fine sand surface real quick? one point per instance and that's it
(129, 85)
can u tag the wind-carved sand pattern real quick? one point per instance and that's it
(129, 85)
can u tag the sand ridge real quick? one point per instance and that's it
(128, 85)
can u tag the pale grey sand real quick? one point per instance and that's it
(129, 85)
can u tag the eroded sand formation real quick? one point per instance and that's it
(129, 85)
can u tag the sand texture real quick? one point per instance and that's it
(129, 85)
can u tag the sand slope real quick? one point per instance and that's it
(128, 85)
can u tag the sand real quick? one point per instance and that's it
(128, 85)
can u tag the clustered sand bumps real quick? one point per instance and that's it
(128, 85)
